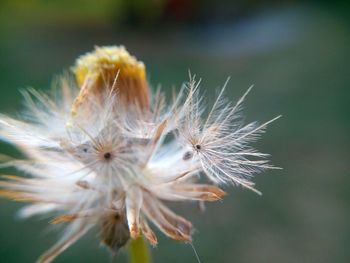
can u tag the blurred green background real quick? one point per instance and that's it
(296, 53)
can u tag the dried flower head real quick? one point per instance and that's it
(96, 72)
(103, 152)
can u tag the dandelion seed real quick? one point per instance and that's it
(98, 154)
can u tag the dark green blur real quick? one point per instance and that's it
(297, 56)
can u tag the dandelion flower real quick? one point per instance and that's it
(103, 152)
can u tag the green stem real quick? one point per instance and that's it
(139, 251)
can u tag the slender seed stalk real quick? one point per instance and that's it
(139, 251)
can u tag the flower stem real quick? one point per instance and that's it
(139, 251)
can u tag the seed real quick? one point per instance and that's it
(188, 155)
(107, 156)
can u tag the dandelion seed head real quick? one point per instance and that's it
(101, 155)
